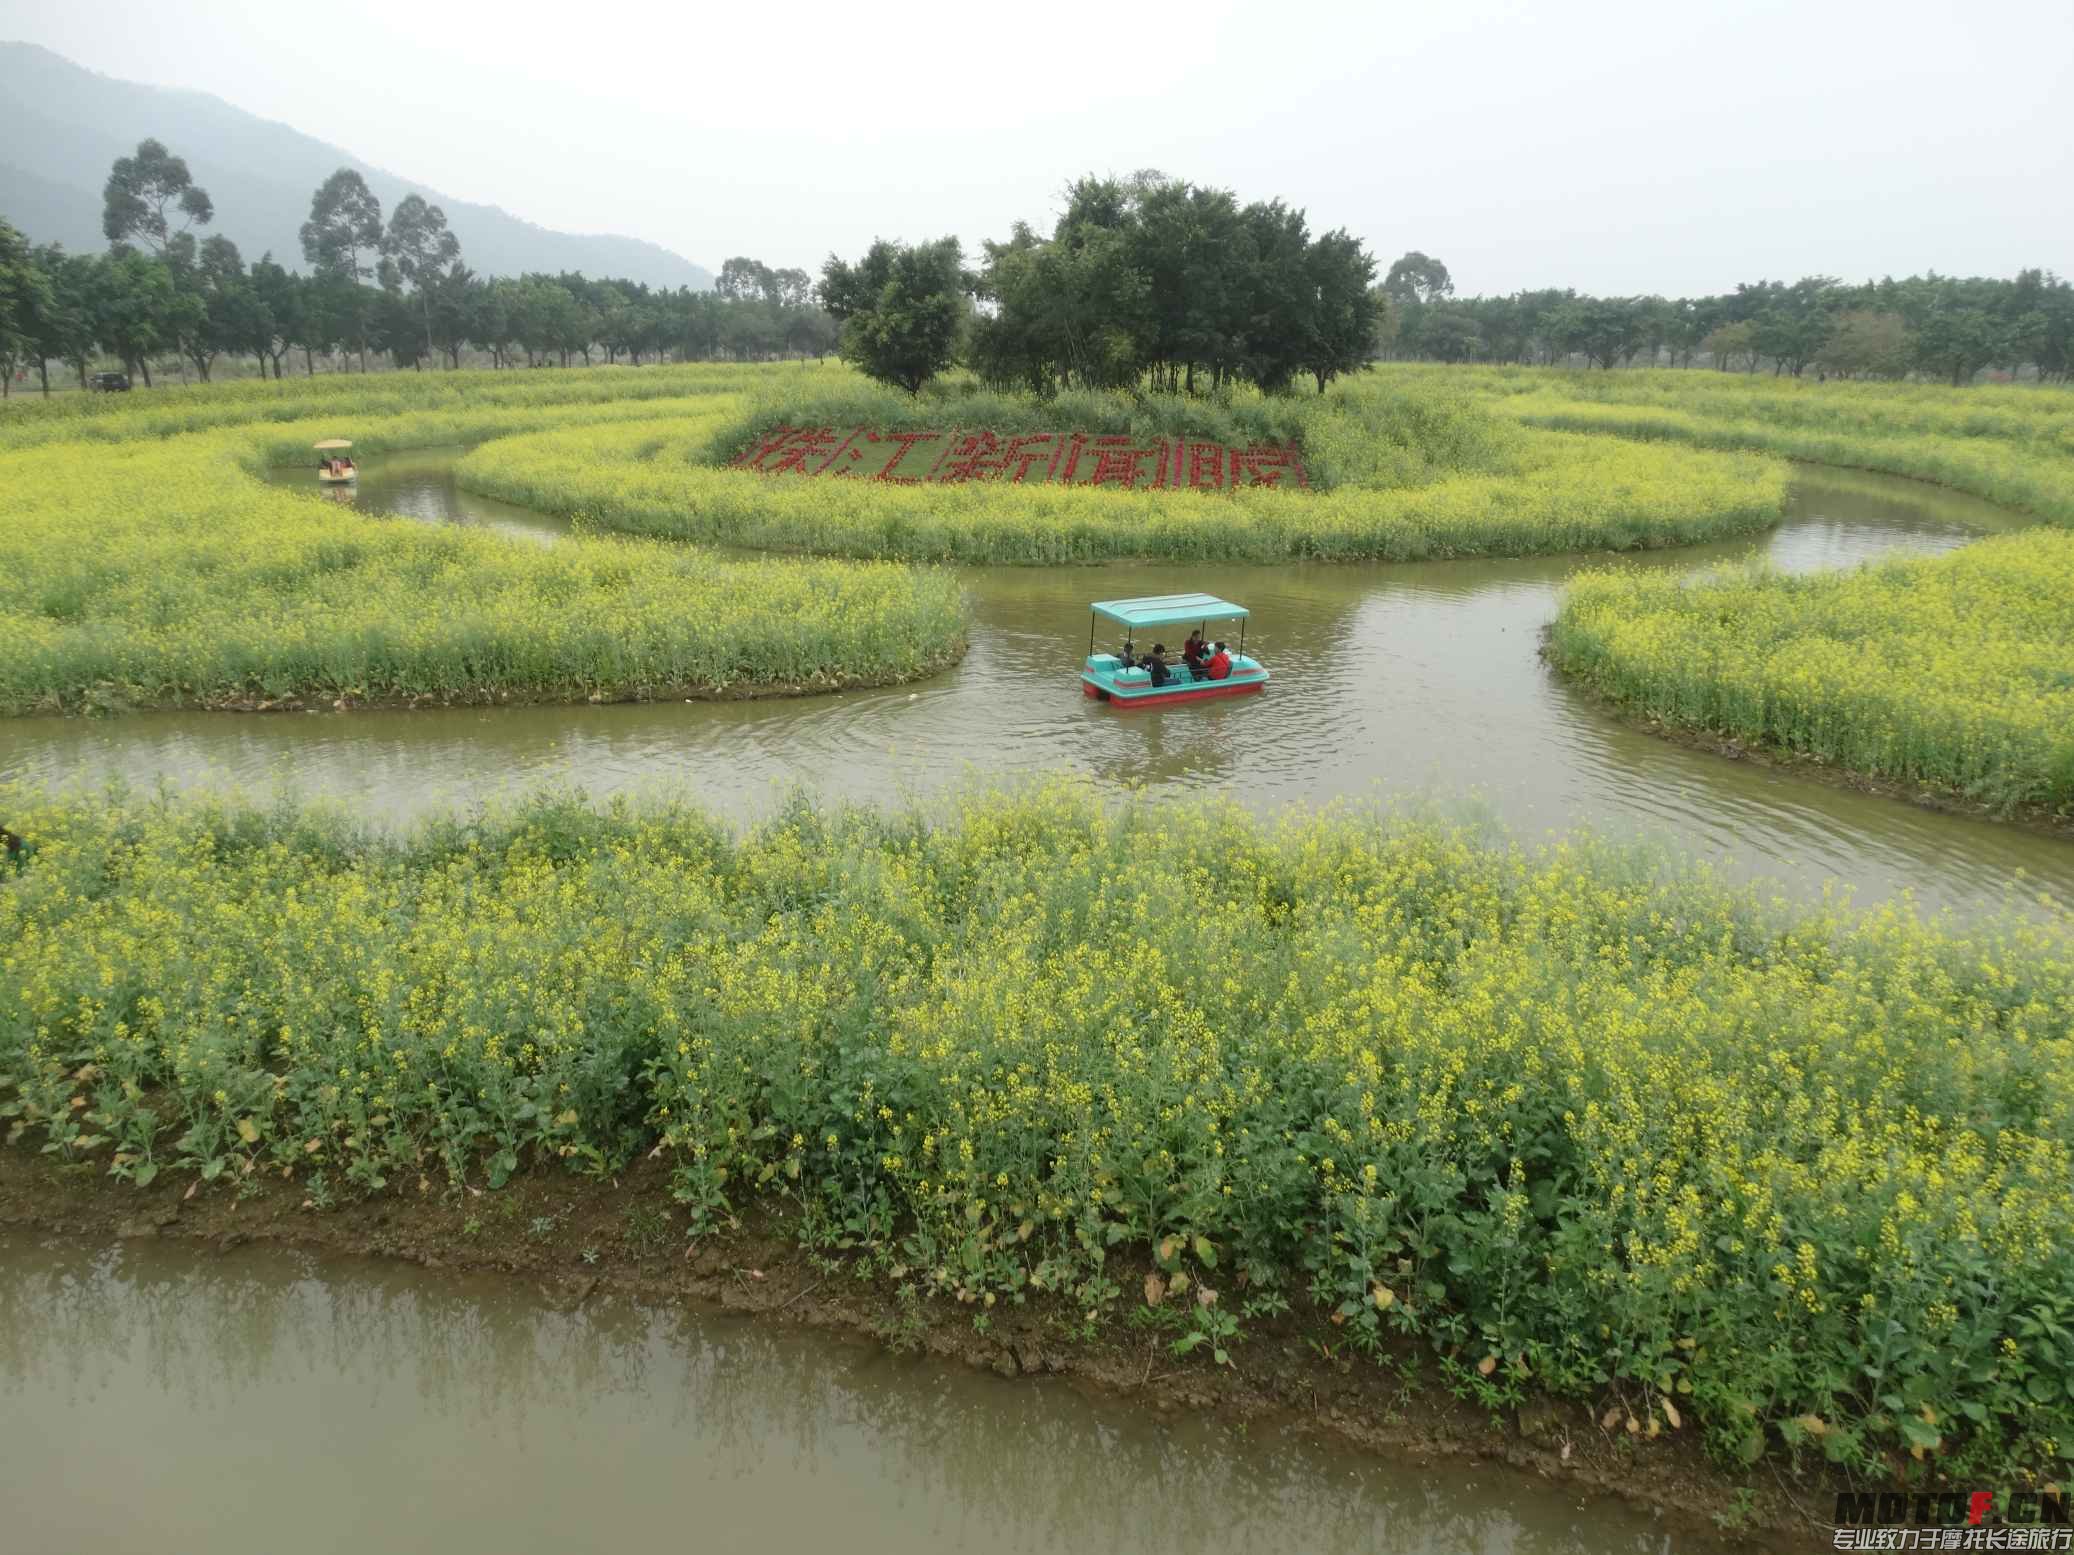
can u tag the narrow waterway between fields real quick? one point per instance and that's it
(1409, 682)
(158, 1396)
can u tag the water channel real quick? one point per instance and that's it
(157, 1396)
(1418, 682)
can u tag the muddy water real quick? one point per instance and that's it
(418, 483)
(1419, 681)
(154, 1396)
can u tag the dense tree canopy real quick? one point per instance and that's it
(1156, 277)
(1938, 326)
(899, 308)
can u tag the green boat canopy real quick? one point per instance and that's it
(1168, 610)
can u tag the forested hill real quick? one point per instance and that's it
(63, 126)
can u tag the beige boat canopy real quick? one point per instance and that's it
(331, 442)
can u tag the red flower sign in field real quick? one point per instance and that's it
(1069, 458)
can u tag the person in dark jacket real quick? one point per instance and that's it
(1156, 665)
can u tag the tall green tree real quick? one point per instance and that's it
(345, 223)
(1957, 338)
(1341, 273)
(135, 307)
(1604, 330)
(899, 307)
(25, 298)
(1418, 280)
(61, 327)
(282, 298)
(419, 246)
(146, 192)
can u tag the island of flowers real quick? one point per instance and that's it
(1068, 458)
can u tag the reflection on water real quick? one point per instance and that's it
(1413, 681)
(419, 483)
(156, 1396)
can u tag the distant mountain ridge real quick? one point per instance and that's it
(64, 125)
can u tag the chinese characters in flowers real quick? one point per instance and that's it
(1069, 458)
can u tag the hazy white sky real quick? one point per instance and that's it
(1618, 146)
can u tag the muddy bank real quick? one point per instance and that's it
(574, 1239)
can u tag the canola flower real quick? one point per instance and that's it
(1403, 476)
(1955, 671)
(1621, 1128)
(154, 570)
(2011, 444)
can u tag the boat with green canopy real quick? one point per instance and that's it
(1131, 678)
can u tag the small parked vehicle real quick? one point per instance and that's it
(111, 383)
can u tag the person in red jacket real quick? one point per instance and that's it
(1219, 667)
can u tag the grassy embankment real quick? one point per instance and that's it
(1395, 474)
(1954, 673)
(1570, 1124)
(143, 564)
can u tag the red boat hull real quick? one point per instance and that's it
(1162, 698)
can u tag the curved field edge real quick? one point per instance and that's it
(1953, 672)
(1568, 1122)
(1569, 493)
(2010, 445)
(155, 573)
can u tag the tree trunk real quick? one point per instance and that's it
(144, 368)
(43, 372)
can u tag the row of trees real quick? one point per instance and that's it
(1146, 279)
(1943, 327)
(396, 287)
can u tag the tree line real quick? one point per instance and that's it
(1148, 279)
(1949, 328)
(396, 287)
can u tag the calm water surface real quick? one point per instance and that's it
(1411, 681)
(155, 1396)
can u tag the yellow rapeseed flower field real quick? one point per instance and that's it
(142, 564)
(1955, 671)
(1397, 475)
(1632, 1133)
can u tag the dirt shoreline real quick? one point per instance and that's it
(628, 1236)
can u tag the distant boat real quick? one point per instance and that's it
(335, 469)
(1106, 678)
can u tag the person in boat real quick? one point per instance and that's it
(1156, 665)
(1126, 656)
(1219, 665)
(1193, 653)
